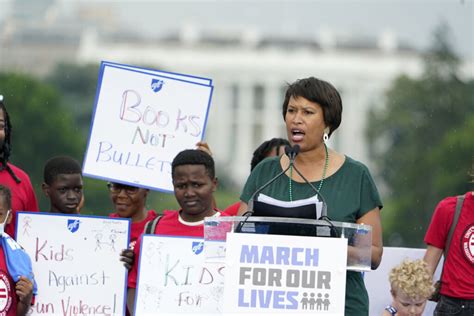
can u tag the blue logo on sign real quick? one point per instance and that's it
(198, 247)
(73, 225)
(156, 85)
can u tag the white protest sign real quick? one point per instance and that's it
(195, 79)
(76, 262)
(142, 119)
(175, 279)
(277, 274)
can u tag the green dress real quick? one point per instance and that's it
(349, 193)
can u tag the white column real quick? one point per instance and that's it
(219, 129)
(244, 120)
(272, 119)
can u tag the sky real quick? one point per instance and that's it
(413, 21)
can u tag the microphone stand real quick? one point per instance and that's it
(324, 211)
(291, 153)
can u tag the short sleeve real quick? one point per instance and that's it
(31, 201)
(249, 188)
(369, 195)
(440, 223)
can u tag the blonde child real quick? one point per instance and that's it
(411, 286)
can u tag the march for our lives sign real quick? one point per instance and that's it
(273, 274)
(76, 262)
(142, 119)
(174, 277)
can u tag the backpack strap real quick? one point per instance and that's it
(457, 212)
(151, 225)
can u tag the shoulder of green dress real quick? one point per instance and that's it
(352, 163)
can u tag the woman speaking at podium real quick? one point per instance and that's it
(312, 111)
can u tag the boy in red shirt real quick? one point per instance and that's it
(63, 185)
(194, 183)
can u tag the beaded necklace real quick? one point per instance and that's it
(322, 178)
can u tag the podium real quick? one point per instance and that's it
(359, 236)
(278, 265)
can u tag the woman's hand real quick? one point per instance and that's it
(372, 218)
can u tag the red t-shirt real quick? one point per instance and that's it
(232, 209)
(458, 275)
(8, 299)
(170, 224)
(136, 228)
(23, 195)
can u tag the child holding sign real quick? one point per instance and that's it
(194, 183)
(63, 185)
(16, 291)
(130, 202)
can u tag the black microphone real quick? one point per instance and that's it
(291, 152)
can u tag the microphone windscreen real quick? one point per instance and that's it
(288, 150)
(296, 149)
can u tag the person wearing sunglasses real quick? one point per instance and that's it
(130, 202)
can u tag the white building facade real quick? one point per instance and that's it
(250, 80)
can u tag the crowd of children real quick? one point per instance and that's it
(194, 182)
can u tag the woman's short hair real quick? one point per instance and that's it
(412, 278)
(320, 92)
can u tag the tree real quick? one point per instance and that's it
(41, 127)
(77, 86)
(422, 142)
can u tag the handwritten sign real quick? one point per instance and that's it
(276, 274)
(174, 277)
(76, 262)
(142, 119)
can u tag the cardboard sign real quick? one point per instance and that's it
(175, 279)
(276, 274)
(76, 262)
(142, 119)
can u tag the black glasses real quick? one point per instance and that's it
(116, 188)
